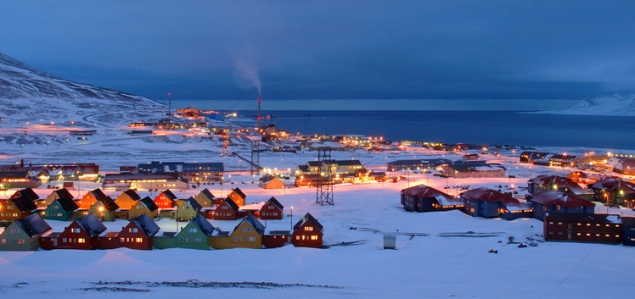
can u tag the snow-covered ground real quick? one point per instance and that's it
(426, 265)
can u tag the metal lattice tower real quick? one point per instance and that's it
(324, 185)
(255, 156)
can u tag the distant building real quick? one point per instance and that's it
(558, 202)
(191, 172)
(423, 198)
(593, 228)
(415, 164)
(544, 183)
(484, 202)
(474, 169)
(143, 181)
(614, 191)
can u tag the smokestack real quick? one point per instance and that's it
(259, 117)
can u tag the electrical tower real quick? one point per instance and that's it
(255, 156)
(324, 184)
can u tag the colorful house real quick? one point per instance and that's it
(89, 199)
(558, 202)
(105, 210)
(544, 183)
(307, 232)
(187, 209)
(165, 199)
(83, 233)
(24, 234)
(16, 208)
(55, 195)
(247, 234)
(423, 198)
(614, 191)
(127, 199)
(144, 206)
(61, 209)
(593, 228)
(195, 235)
(272, 209)
(205, 198)
(484, 202)
(138, 234)
(226, 210)
(273, 183)
(238, 196)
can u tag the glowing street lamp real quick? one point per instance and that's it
(101, 212)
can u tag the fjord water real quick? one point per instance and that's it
(520, 128)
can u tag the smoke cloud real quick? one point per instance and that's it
(246, 76)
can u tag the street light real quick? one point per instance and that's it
(101, 211)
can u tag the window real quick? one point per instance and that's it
(197, 240)
(4, 241)
(314, 237)
(252, 239)
(75, 230)
(271, 207)
(308, 228)
(122, 240)
(246, 229)
(192, 229)
(134, 230)
(64, 240)
(81, 240)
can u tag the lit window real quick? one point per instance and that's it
(81, 240)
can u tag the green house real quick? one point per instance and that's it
(24, 234)
(104, 210)
(194, 235)
(61, 209)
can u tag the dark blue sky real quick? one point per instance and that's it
(330, 49)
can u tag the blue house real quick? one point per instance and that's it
(488, 203)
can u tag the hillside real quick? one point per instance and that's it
(622, 104)
(31, 95)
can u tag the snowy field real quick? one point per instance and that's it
(430, 261)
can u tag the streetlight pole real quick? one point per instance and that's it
(291, 219)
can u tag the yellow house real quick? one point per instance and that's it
(247, 234)
(89, 199)
(205, 198)
(127, 199)
(144, 206)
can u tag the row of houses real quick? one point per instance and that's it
(611, 191)
(565, 216)
(60, 205)
(33, 175)
(142, 233)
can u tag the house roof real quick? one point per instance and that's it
(192, 202)
(348, 163)
(489, 195)
(67, 203)
(99, 195)
(578, 217)
(169, 194)
(614, 184)
(91, 224)
(559, 181)
(240, 192)
(561, 199)
(144, 222)
(231, 204)
(310, 219)
(208, 193)
(423, 191)
(132, 194)
(63, 193)
(203, 224)
(149, 203)
(27, 193)
(303, 168)
(276, 203)
(24, 204)
(33, 225)
(251, 219)
(109, 204)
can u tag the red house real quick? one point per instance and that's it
(593, 228)
(83, 233)
(226, 210)
(307, 233)
(275, 238)
(138, 234)
(272, 209)
(165, 199)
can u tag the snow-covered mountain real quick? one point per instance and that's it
(28, 94)
(621, 104)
